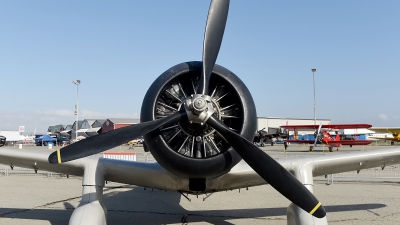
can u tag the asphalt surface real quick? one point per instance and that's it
(41, 200)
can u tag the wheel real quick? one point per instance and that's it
(311, 148)
(330, 149)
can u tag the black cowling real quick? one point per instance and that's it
(182, 165)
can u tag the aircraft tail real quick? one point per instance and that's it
(337, 137)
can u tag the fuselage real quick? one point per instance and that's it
(385, 136)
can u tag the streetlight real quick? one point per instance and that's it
(313, 71)
(77, 82)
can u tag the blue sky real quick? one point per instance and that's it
(118, 48)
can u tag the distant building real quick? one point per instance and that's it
(56, 129)
(12, 137)
(93, 126)
(115, 123)
(74, 128)
(272, 124)
(66, 132)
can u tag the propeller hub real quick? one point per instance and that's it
(199, 104)
(199, 108)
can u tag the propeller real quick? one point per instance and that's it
(111, 139)
(215, 27)
(270, 170)
(318, 133)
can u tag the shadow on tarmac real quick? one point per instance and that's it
(148, 207)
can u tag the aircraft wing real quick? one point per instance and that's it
(351, 142)
(386, 129)
(136, 173)
(300, 141)
(38, 160)
(327, 126)
(270, 135)
(384, 138)
(242, 175)
(341, 142)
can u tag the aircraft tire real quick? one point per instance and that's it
(330, 149)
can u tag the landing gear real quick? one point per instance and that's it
(392, 143)
(272, 143)
(330, 149)
(311, 148)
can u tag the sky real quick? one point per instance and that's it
(118, 48)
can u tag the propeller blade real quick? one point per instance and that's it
(316, 136)
(215, 27)
(271, 171)
(111, 139)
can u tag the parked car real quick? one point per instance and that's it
(2, 140)
(135, 141)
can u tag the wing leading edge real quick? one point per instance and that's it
(327, 126)
(393, 130)
(154, 176)
(242, 175)
(136, 173)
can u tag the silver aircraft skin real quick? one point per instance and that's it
(200, 116)
(150, 174)
(241, 176)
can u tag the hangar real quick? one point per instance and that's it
(272, 124)
(115, 123)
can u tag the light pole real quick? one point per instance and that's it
(313, 71)
(77, 82)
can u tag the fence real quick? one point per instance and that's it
(389, 172)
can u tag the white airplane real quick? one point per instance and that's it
(380, 136)
(197, 119)
(391, 134)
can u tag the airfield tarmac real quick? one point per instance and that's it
(41, 200)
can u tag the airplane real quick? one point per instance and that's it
(263, 136)
(322, 135)
(197, 119)
(390, 133)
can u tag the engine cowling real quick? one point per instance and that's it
(194, 150)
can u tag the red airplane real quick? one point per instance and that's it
(322, 135)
